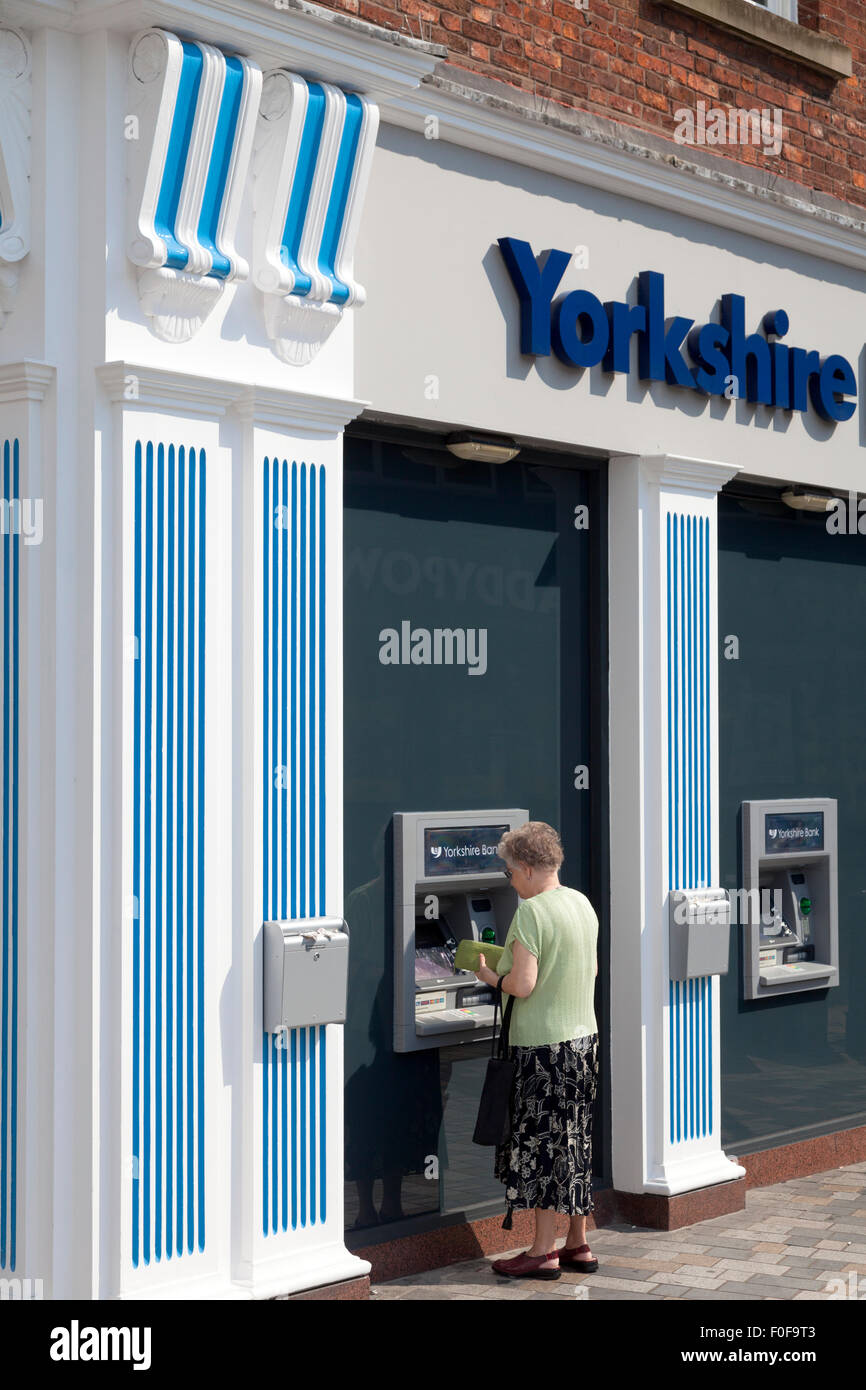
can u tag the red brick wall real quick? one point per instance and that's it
(639, 61)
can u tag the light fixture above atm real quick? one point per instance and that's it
(806, 501)
(481, 448)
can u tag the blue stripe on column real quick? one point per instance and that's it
(217, 176)
(189, 779)
(294, 1132)
(323, 1155)
(200, 658)
(336, 213)
(688, 657)
(9, 890)
(294, 1128)
(302, 681)
(287, 861)
(296, 214)
(183, 694)
(302, 1123)
(146, 657)
(313, 1127)
(706, 599)
(267, 789)
(165, 217)
(322, 697)
(315, 644)
(159, 787)
(168, 827)
(171, 802)
(136, 862)
(14, 685)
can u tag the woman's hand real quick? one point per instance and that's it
(485, 974)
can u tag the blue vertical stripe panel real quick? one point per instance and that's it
(9, 890)
(689, 813)
(167, 820)
(294, 1131)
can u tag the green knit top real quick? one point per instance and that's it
(560, 928)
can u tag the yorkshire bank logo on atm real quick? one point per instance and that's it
(462, 849)
(713, 359)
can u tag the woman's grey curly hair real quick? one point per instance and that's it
(536, 845)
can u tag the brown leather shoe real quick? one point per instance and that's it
(569, 1258)
(527, 1266)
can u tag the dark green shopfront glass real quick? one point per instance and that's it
(480, 547)
(792, 725)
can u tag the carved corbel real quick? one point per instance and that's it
(191, 129)
(314, 150)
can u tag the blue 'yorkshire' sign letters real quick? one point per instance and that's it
(725, 360)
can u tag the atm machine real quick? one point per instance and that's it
(790, 876)
(449, 885)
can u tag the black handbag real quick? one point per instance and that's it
(494, 1110)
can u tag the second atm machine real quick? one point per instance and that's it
(790, 873)
(449, 884)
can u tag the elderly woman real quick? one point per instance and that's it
(549, 966)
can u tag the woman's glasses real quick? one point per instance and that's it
(508, 873)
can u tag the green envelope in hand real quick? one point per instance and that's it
(468, 952)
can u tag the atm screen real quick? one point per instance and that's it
(795, 831)
(434, 954)
(432, 963)
(468, 849)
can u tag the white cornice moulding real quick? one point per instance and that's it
(25, 381)
(180, 393)
(674, 471)
(177, 393)
(319, 43)
(15, 99)
(634, 173)
(273, 409)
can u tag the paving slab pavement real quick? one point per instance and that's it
(792, 1241)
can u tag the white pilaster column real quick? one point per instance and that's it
(665, 1072)
(288, 1200)
(165, 833)
(27, 997)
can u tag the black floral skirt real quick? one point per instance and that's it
(547, 1160)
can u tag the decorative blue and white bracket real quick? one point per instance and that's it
(314, 150)
(15, 98)
(195, 118)
(192, 117)
(665, 1040)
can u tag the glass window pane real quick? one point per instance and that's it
(492, 551)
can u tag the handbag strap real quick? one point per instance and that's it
(506, 1024)
(499, 1046)
(497, 1004)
